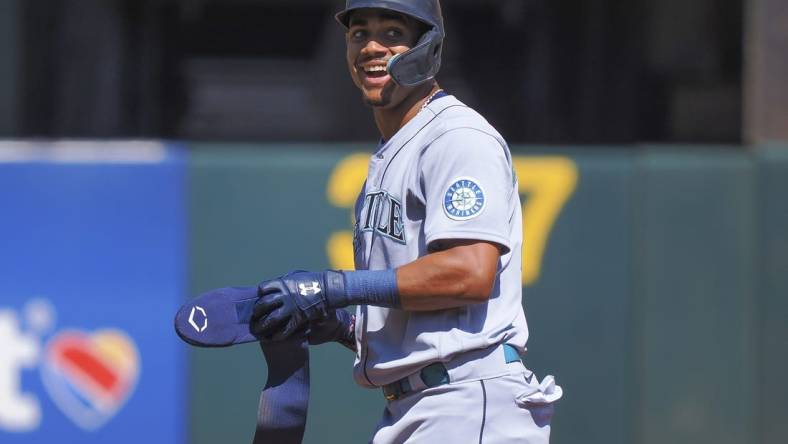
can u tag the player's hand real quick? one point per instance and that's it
(288, 303)
(339, 327)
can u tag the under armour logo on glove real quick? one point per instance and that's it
(289, 302)
(312, 290)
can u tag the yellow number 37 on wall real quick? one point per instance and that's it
(546, 183)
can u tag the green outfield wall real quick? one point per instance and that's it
(655, 286)
(771, 308)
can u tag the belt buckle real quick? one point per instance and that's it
(392, 391)
(396, 389)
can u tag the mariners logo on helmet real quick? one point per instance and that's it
(464, 199)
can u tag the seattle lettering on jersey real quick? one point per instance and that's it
(382, 213)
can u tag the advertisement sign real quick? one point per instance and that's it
(92, 261)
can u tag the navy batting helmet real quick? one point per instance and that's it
(421, 63)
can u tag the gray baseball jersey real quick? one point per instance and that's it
(447, 174)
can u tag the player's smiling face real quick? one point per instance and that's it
(373, 38)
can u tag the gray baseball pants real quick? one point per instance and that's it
(506, 409)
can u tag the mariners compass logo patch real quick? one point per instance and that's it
(464, 199)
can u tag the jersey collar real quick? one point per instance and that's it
(440, 102)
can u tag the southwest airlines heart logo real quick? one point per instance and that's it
(89, 376)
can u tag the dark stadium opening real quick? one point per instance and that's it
(606, 72)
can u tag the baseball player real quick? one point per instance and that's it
(439, 324)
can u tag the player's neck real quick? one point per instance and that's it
(391, 120)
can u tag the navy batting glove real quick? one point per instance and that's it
(288, 303)
(339, 327)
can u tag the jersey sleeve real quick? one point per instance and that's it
(467, 181)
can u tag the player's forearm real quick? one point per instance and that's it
(463, 275)
(434, 282)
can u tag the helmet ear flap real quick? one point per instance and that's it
(421, 63)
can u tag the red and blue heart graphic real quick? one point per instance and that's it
(90, 376)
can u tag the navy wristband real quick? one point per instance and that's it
(378, 288)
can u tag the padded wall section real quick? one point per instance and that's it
(772, 313)
(694, 252)
(654, 282)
